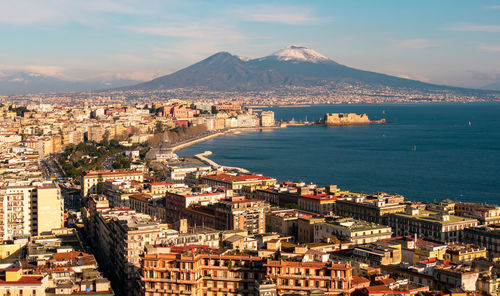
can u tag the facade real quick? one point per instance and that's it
(456, 276)
(17, 282)
(30, 210)
(484, 236)
(305, 228)
(237, 182)
(432, 225)
(241, 213)
(465, 253)
(370, 208)
(198, 270)
(285, 221)
(484, 213)
(348, 229)
(317, 203)
(92, 178)
(302, 277)
(267, 118)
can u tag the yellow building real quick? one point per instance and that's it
(11, 250)
(465, 253)
(49, 209)
(17, 283)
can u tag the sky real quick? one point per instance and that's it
(451, 42)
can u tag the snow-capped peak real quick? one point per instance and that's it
(245, 59)
(299, 53)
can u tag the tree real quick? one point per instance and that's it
(105, 138)
(100, 184)
(159, 128)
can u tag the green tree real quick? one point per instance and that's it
(100, 185)
(105, 138)
(159, 128)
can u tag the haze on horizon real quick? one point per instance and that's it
(449, 42)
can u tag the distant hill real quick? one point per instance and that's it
(291, 66)
(493, 86)
(15, 83)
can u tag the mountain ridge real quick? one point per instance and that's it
(291, 66)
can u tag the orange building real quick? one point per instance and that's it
(200, 271)
(197, 270)
(300, 277)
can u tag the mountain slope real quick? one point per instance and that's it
(492, 86)
(292, 66)
(16, 83)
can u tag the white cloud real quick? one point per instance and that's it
(489, 48)
(277, 14)
(191, 31)
(34, 12)
(494, 7)
(414, 77)
(417, 43)
(476, 28)
(45, 70)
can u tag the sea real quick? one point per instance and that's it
(426, 151)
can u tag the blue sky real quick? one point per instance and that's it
(447, 42)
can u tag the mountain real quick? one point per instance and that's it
(291, 66)
(15, 83)
(492, 86)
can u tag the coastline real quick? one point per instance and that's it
(221, 133)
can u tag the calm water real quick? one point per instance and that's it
(452, 159)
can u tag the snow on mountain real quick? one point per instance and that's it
(300, 54)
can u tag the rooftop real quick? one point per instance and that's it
(431, 217)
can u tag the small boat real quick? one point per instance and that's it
(470, 123)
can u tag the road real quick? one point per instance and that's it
(50, 169)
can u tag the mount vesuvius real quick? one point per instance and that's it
(291, 66)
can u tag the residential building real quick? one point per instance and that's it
(32, 209)
(285, 221)
(433, 225)
(460, 253)
(348, 229)
(240, 213)
(484, 236)
(237, 182)
(484, 213)
(301, 277)
(91, 179)
(372, 208)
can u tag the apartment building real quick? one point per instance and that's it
(27, 210)
(294, 277)
(432, 225)
(484, 213)
(348, 229)
(237, 182)
(199, 270)
(372, 208)
(90, 179)
(241, 213)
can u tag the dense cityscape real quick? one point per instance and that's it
(94, 200)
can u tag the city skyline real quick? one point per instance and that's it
(452, 42)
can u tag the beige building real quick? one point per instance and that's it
(30, 210)
(47, 209)
(90, 179)
(18, 283)
(355, 231)
(432, 225)
(267, 118)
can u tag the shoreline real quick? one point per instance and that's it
(222, 133)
